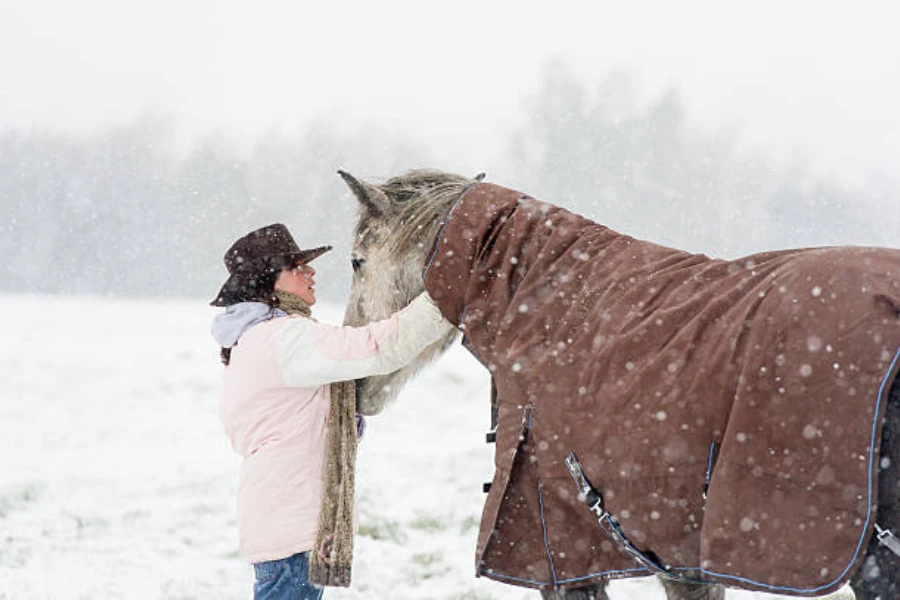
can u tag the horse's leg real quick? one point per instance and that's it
(680, 590)
(878, 578)
(591, 592)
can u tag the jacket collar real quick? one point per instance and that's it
(229, 326)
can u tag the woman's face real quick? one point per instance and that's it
(299, 281)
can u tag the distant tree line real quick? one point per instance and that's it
(120, 212)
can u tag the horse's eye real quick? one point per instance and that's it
(356, 263)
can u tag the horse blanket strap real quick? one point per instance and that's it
(761, 381)
(594, 501)
(591, 496)
(887, 538)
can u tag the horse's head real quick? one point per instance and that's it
(398, 221)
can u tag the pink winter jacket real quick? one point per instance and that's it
(275, 407)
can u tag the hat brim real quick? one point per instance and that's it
(234, 280)
(307, 256)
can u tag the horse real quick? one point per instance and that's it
(566, 312)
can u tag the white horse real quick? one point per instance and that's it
(398, 223)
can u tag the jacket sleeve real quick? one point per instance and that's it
(312, 354)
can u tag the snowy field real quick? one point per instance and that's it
(117, 482)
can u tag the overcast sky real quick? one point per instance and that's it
(814, 78)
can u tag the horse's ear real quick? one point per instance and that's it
(375, 201)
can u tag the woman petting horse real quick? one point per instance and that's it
(288, 410)
(713, 422)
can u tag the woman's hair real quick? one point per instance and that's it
(256, 288)
(260, 288)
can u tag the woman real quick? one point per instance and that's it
(276, 396)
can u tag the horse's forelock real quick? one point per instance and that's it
(426, 197)
(422, 182)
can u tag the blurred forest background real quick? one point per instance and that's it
(125, 212)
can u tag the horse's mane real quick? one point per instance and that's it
(426, 196)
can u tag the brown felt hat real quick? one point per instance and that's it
(258, 257)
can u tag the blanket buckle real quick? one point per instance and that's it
(887, 538)
(591, 496)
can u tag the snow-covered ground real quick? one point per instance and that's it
(117, 482)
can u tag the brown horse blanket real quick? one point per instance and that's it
(729, 411)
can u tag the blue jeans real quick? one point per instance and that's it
(285, 579)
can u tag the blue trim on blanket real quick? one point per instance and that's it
(616, 574)
(540, 491)
(709, 462)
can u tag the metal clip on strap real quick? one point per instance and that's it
(887, 538)
(590, 494)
